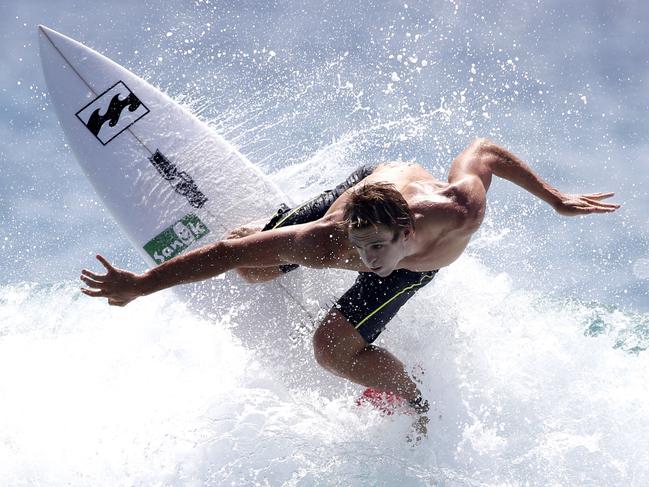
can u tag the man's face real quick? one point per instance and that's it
(380, 251)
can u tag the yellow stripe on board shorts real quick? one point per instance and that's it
(373, 300)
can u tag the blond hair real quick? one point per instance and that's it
(376, 204)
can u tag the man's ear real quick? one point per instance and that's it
(408, 232)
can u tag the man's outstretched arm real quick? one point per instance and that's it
(483, 158)
(309, 244)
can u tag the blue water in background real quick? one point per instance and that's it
(533, 342)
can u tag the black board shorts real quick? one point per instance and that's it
(372, 301)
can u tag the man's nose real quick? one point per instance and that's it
(371, 258)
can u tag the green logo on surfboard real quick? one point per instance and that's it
(176, 238)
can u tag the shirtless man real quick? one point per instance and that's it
(393, 223)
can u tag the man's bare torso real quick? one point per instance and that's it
(446, 215)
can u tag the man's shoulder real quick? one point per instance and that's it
(326, 232)
(459, 206)
(470, 195)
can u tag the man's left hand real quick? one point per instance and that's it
(582, 204)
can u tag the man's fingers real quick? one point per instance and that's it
(105, 263)
(91, 282)
(599, 195)
(596, 201)
(600, 204)
(585, 208)
(94, 293)
(598, 209)
(92, 275)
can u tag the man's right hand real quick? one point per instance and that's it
(120, 287)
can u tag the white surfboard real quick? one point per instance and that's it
(173, 184)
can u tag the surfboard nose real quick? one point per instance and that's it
(46, 35)
(59, 41)
(46, 42)
(43, 30)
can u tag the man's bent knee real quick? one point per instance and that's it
(336, 342)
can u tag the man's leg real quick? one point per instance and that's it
(343, 341)
(254, 274)
(341, 349)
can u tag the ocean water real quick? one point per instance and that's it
(525, 390)
(533, 344)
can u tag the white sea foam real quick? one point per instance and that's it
(525, 391)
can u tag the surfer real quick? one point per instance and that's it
(393, 223)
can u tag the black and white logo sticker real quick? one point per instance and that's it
(180, 181)
(112, 112)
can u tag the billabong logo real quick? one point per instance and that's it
(173, 240)
(180, 181)
(112, 112)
